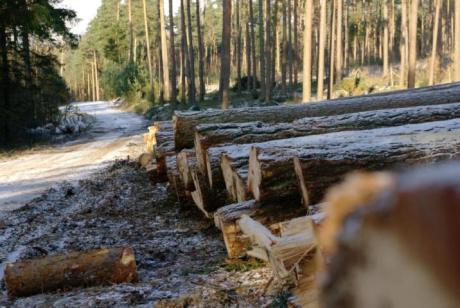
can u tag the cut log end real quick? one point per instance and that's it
(255, 174)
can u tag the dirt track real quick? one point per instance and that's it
(116, 134)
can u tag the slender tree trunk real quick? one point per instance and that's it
(331, 52)
(253, 51)
(322, 49)
(268, 83)
(307, 51)
(403, 44)
(238, 46)
(96, 75)
(284, 49)
(435, 39)
(225, 54)
(184, 52)
(248, 55)
(173, 55)
(296, 43)
(385, 38)
(131, 33)
(93, 80)
(4, 86)
(164, 52)
(191, 55)
(200, 54)
(147, 45)
(412, 44)
(289, 51)
(339, 49)
(457, 40)
(262, 50)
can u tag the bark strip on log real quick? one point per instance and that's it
(323, 160)
(206, 199)
(76, 269)
(410, 235)
(235, 174)
(185, 123)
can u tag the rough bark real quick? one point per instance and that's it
(200, 53)
(173, 56)
(321, 161)
(412, 48)
(321, 50)
(191, 56)
(147, 44)
(164, 52)
(186, 162)
(307, 51)
(434, 46)
(185, 122)
(206, 199)
(235, 173)
(77, 269)
(412, 229)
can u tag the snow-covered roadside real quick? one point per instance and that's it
(180, 255)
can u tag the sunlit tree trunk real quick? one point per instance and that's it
(130, 33)
(339, 49)
(321, 49)
(191, 56)
(253, 51)
(412, 43)
(268, 82)
(403, 45)
(457, 40)
(184, 52)
(164, 52)
(332, 51)
(307, 51)
(225, 54)
(435, 39)
(96, 76)
(262, 50)
(385, 38)
(238, 46)
(173, 55)
(147, 44)
(200, 53)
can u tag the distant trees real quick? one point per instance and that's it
(259, 48)
(31, 89)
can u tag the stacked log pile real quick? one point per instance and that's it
(274, 164)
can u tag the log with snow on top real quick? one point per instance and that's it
(277, 169)
(212, 135)
(76, 269)
(185, 123)
(401, 248)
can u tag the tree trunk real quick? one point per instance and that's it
(191, 56)
(173, 56)
(225, 54)
(164, 52)
(185, 123)
(403, 45)
(330, 90)
(339, 49)
(4, 85)
(200, 54)
(435, 40)
(321, 161)
(457, 40)
(321, 50)
(184, 52)
(253, 51)
(385, 4)
(77, 269)
(262, 50)
(307, 51)
(130, 33)
(412, 44)
(296, 43)
(96, 75)
(267, 52)
(147, 44)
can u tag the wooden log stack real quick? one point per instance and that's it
(274, 164)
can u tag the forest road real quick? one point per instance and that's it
(115, 134)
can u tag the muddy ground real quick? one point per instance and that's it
(180, 255)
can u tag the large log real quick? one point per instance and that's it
(401, 250)
(164, 148)
(206, 199)
(234, 158)
(322, 160)
(212, 135)
(185, 123)
(77, 269)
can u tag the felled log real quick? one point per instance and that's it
(76, 269)
(164, 148)
(176, 185)
(150, 139)
(185, 123)
(277, 169)
(226, 219)
(206, 199)
(212, 135)
(235, 173)
(186, 161)
(401, 250)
